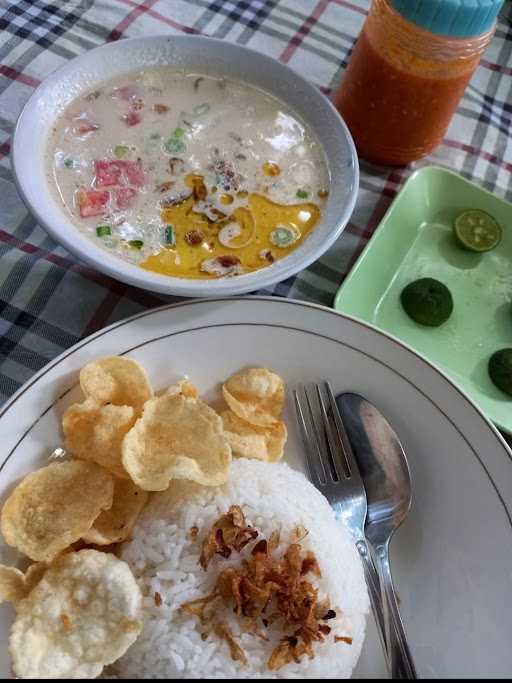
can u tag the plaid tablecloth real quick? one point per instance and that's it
(49, 300)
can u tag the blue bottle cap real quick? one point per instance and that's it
(457, 18)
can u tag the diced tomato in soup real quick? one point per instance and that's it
(92, 202)
(87, 127)
(131, 118)
(83, 125)
(110, 173)
(134, 173)
(124, 196)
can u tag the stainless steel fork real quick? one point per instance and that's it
(332, 468)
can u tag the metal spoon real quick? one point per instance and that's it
(385, 472)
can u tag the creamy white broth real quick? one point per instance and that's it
(149, 132)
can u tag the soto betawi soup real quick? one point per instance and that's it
(187, 175)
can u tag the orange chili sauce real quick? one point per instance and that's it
(398, 108)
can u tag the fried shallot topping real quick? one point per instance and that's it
(290, 649)
(330, 614)
(230, 532)
(165, 187)
(299, 533)
(224, 632)
(199, 188)
(194, 238)
(66, 621)
(265, 589)
(228, 260)
(199, 608)
(343, 639)
(310, 564)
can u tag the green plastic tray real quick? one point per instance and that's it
(415, 240)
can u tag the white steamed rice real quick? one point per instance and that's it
(164, 559)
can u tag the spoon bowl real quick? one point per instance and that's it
(383, 465)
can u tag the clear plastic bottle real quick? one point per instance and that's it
(408, 72)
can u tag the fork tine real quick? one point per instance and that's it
(353, 467)
(307, 441)
(322, 456)
(338, 459)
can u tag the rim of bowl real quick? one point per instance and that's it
(65, 232)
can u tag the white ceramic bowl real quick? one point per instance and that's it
(197, 55)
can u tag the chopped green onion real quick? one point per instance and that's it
(69, 163)
(121, 151)
(103, 231)
(174, 146)
(201, 109)
(283, 237)
(136, 244)
(170, 235)
(302, 194)
(179, 132)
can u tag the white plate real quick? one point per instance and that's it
(452, 559)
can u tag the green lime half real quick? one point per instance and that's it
(427, 302)
(477, 231)
(500, 370)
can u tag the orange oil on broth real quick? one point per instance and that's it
(256, 221)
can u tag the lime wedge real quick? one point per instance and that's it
(477, 231)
